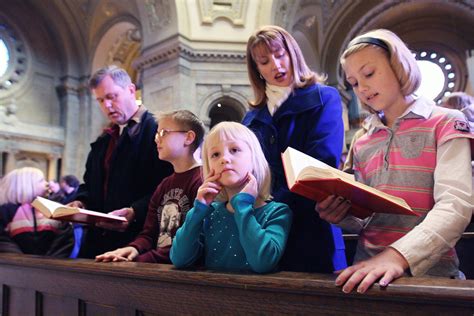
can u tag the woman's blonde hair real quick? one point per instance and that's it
(270, 36)
(237, 131)
(401, 59)
(20, 186)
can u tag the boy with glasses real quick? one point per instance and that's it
(179, 135)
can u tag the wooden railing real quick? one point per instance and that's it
(34, 285)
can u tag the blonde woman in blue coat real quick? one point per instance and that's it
(292, 108)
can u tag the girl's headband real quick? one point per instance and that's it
(373, 41)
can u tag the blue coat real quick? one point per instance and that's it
(310, 120)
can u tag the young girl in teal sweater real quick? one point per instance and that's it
(232, 223)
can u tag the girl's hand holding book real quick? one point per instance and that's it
(333, 209)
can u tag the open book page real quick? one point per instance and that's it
(316, 180)
(52, 209)
(298, 161)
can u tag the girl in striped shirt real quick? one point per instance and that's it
(412, 149)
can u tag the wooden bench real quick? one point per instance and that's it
(33, 285)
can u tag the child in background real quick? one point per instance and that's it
(292, 108)
(240, 230)
(179, 135)
(463, 102)
(412, 149)
(24, 229)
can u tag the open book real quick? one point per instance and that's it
(316, 180)
(61, 212)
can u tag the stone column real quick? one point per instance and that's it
(70, 94)
(10, 161)
(52, 167)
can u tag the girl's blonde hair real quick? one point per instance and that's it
(401, 59)
(20, 186)
(237, 131)
(265, 38)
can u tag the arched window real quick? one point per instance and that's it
(438, 75)
(225, 109)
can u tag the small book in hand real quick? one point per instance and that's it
(57, 211)
(316, 180)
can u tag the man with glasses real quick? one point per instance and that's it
(123, 168)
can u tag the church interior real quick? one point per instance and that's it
(186, 54)
(191, 54)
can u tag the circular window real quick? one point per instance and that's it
(437, 75)
(4, 57)
(13, 58)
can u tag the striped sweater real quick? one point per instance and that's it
(401, 161)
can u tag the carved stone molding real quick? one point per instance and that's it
(8, 113)
(329, 7)
(282, 13)
(159, 13)
(181, 50)
(71, 85)
(232, 10)
(126, 45)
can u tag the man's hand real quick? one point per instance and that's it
(76, 203)
(126, 212)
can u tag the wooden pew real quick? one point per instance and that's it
(34, 285)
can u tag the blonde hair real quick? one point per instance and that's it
(267, 37)
(401, 59)
(20, 186)
(237, 131)
(457, 100)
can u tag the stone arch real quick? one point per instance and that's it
(235, 103)
(306, 29)
(119, 44)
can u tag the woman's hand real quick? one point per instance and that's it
(333, 209)
(120, 254)
(210, 188)
(386, 266)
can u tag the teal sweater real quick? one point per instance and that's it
(248, 240)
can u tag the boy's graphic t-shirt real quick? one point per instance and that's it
(166, 213)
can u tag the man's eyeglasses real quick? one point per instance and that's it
(163, 132)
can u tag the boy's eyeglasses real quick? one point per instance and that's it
(163, 132)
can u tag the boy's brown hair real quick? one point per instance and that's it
(188, 121)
